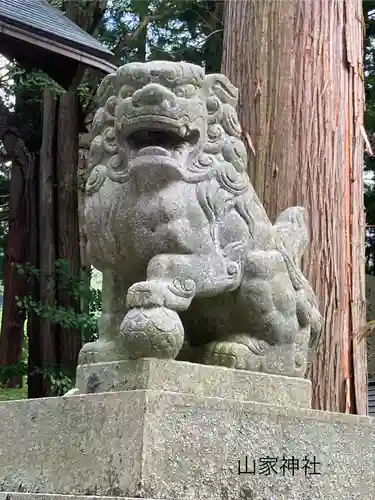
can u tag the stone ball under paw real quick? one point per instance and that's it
(152, 333)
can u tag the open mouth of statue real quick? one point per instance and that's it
(159, 142)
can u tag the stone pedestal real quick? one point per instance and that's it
(191, 378)
(173, 435)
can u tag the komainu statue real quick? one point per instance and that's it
(192, 267)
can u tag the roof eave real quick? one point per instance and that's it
(81, 56)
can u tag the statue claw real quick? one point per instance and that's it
(160, 293)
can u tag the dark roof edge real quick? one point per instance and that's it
(72, 52)
(77, 28)
(103, 52)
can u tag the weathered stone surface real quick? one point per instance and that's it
(150, 444)
(40, 496)
(182, 377)
(187, 251)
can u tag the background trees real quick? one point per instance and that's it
(300, 107)
(41, 140)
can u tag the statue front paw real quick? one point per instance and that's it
(174, 294)
(156, 332)
(232, 354)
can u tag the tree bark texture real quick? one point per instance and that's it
(87, 15)
(298, 66)
(37, 384)
(15, 283)
(27, 117)
(22, 243)
(55, 347)
(43, 346)
(70, 340)
(47, 226)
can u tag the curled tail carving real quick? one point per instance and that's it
(292, 239)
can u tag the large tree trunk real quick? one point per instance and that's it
(298, 65)
(43, 346)
(70, 340)
(67, 146)
(15, 284)
(59, 237)
(22, 239)
(37, 384)
(47, 222)
(55, 348)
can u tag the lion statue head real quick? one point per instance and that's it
(167, 110)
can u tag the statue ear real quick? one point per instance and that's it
(106, 89)
(222, 88)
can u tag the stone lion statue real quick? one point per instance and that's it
(192, 267)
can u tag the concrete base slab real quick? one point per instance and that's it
(192, 378)
(165, 445)
(5, 495)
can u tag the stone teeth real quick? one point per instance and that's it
(153, 151)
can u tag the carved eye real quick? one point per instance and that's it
(185, 90)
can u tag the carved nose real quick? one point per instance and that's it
(152, 94)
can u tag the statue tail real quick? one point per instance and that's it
(292, 233)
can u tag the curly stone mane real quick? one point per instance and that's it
(223, 154)
(218, 170)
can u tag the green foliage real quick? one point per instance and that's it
(17, 370)
(59, 382)
(194, 35)
(31, 83)
(58, 4)
(189, 30)
(78, 288)
(138, 30)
